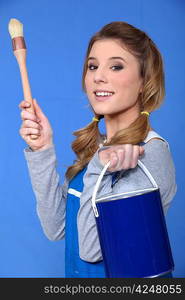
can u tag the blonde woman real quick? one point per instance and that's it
(124, 81)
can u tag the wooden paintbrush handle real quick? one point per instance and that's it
(20, 55)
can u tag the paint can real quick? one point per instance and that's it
(132, 231)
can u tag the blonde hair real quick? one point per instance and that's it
(151, 71)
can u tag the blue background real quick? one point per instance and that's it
(57, 33)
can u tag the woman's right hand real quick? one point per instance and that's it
(35, 124)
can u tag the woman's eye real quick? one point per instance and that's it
(117, 68)
(92, 67)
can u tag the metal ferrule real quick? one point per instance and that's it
(18, 43)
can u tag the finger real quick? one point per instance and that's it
(113, 160)
(121, 157)
(135, 156)
(128, 156)
(29, 131)
(24, 104)
(38, 110)
(31, 124)
(26, 115)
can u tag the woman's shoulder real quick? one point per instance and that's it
(154, 139)
(157, 153)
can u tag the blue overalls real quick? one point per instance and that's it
(75, 267)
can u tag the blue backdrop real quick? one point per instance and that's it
(57, 33)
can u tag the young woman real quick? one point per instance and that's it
(124, 82)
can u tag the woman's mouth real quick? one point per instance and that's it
(103, 95)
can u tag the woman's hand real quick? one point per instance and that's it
(35, 124)
(122, 157)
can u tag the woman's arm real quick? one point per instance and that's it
(156, 158)
(159, 161)
(50, 195)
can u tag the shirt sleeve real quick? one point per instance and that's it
(158, 160)
(50, 194)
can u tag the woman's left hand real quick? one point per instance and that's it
(122, 157)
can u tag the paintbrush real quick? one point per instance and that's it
(19, 48)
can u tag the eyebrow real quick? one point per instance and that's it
(110, 58)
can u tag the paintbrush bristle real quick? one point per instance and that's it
(15, 28)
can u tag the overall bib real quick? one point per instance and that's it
(75, 267)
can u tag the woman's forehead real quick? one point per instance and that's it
(106, 48)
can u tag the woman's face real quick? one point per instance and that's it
(112, 80)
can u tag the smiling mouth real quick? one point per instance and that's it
(103, 94)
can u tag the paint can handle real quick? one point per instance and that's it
(97, 185)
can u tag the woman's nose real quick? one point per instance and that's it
(100, 76)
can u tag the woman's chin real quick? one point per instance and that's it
(102, 111)
(105, 112)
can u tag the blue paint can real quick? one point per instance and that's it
(132, 232)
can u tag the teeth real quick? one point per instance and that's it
(103, 93)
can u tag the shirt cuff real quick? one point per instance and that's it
(96, 164)
(31, 155)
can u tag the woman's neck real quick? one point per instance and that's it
(120, 121)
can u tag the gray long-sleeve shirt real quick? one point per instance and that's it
(51, 195)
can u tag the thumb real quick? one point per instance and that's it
(141, 150)
(37, 108)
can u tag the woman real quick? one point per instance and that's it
(124, 82)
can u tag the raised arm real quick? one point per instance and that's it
(41, 159)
